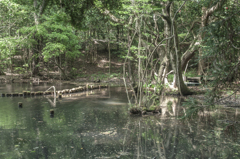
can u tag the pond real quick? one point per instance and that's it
(97, 125)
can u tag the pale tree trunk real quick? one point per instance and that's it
(129, 61)
(189, 53)
(162, 72)
(138, 26)
(130, 36)
(163, 69)
(173, 48)
(182, 88)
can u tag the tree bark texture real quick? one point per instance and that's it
(173, 48)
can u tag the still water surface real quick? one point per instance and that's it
(97, 125)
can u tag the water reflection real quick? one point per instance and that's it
(99, 126)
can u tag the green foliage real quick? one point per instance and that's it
(11, 15)
(20, 70)
(170, 77)
(152, 108)
(182, 35)
(229, 92)
(74, 72)
(60, 38)
(191, 73)
(7, 47)
(192, 108)
(80, 11)
(221, 51)
(53, 49)
(114, 75)
(169, 106)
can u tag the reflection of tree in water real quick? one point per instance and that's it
(169, 106)
(167, 137)
(79, 131)
(174, 140)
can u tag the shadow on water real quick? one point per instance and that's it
(97, 125)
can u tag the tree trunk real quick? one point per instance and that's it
(39, 9)
(189, 54)
(129, 54)
(109, 53)
(35, 67)
(35, 60)
(201, 64)
(139, 96)
(173, 49)
(182, 88)
(163, 70)
(206, 13)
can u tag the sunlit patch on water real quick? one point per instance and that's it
(113, 103)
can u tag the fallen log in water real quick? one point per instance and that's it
(58, 93)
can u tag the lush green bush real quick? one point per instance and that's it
(170, 77)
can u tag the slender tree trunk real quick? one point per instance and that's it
(109, 53)
(163, 70)
(182, 88)
(118, 34)
(129, 54)
(139, 62)
(35, 62)
(201, 64)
